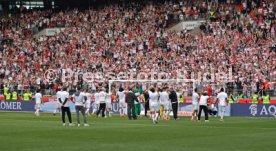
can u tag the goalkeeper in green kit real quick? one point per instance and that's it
(137, 106)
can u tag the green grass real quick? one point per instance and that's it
(25, 132)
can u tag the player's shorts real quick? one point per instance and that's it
(38, 106)
(87, 105)
(58, 105)
(195, 106)
(95, 106)
(122, 104)
(154, 107)
(222, 107)
(109, 105)
(169, 106)
(166, 106)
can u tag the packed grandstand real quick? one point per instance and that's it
(135, 37)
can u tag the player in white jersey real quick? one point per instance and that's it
(38, 97)
(121, 96)
(195, 100)
(108, 105)
(57, 105)
(154, 104)
(96, 103)
(88, 102)
(165, 103)
(222, 97)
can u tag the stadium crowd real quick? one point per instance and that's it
(133, 38)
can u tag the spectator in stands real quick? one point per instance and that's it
(134, 39)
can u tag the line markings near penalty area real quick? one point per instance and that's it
(128, 124)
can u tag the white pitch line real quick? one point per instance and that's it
(126, 124)
(223, 127)
(232, 127)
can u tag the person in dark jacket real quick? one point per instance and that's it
(130, 98)
(146, 96)
(173, 98)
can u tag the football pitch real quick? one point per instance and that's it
(26, 132)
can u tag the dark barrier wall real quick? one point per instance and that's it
(17, 105)
(253, 110)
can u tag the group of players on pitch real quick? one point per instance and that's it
(160, 102)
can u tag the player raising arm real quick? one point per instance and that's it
(195, 100)
(164, 101)
(122, 103)
(154, 103)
